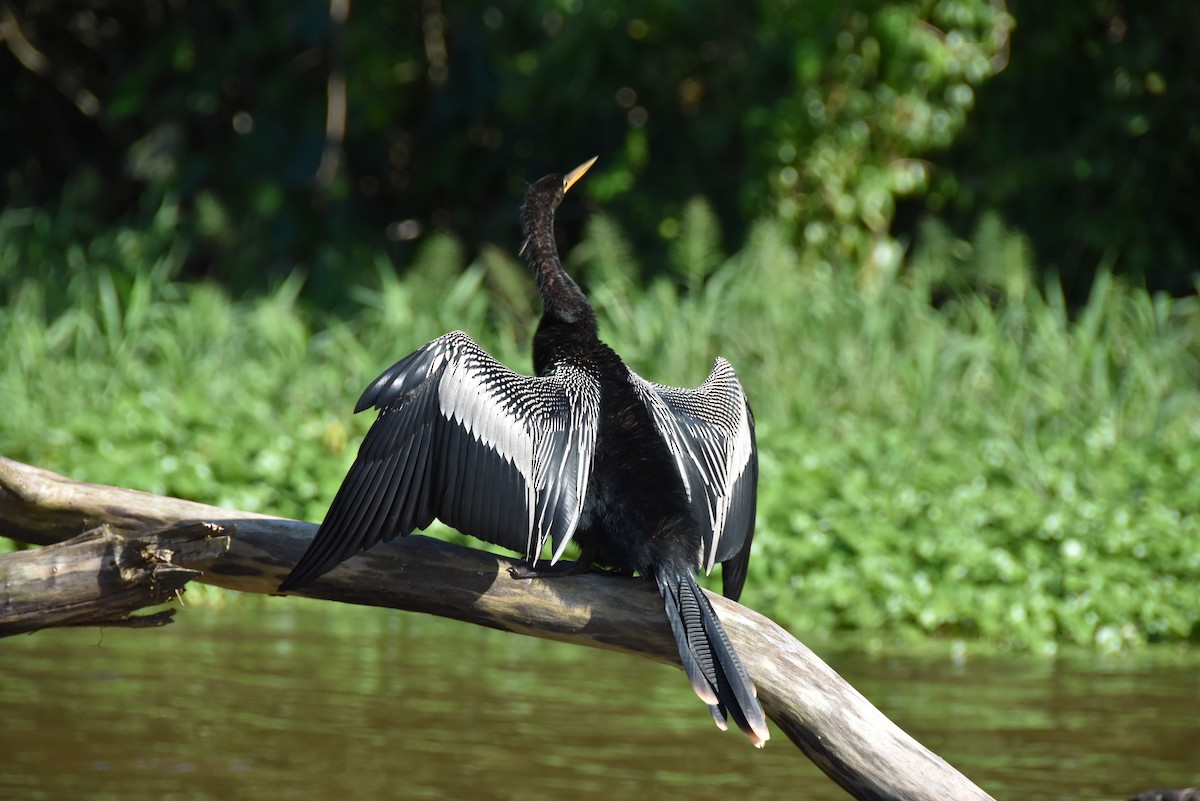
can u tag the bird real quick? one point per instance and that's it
(645, 478)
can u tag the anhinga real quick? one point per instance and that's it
(646, 478)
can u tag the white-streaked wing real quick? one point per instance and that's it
(710, 433)
(498, 455)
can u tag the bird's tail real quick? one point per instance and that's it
(714, 669)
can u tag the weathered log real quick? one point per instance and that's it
(834, 725)
(102, 577)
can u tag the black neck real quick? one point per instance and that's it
(562, 299)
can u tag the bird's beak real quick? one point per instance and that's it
(574, 175)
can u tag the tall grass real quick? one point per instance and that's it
(950, 452)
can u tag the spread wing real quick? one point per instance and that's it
(498, 455)
(710, 433)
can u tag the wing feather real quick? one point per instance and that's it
(710, 434)
(498, 455)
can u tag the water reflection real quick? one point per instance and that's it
(288, 699)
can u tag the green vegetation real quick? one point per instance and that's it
(842, 120)
(947, 453)
(227, 113)
(1086, 140)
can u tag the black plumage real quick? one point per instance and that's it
(646, 478)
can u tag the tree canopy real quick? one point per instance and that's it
(280, 134)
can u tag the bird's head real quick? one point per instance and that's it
(544, 196)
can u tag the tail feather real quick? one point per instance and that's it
(712, 666)
(719, 716)
(696, 672)
(747, 712)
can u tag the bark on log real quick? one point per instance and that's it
(100, 578)
(834, 725)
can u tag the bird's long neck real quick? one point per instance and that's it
(562, 299)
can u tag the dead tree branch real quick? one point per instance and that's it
(101, 577)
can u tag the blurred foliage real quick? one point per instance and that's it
(812, 113)
(1088, 140)
(949, 455)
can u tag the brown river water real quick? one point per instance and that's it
(288, 699)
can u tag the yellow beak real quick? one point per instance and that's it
(574, 175)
